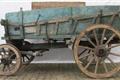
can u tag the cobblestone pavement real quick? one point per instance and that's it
(52, 72)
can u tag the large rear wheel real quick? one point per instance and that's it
(100, 61)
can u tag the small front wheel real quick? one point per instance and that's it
(10, 59)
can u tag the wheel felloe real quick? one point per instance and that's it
(100, 37)
(10, 59)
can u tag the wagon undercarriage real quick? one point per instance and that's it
(91, 32)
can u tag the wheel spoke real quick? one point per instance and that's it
(89, 51)
(113, 46)
(82, 52)
(110, 39)
(96, 38)
(96, 66)
(3, 50)
(90, 41)
(89, 63)
(103, 35)
(4, 68)
(88, 48)
(111, 61)
(85, 55)
(105, 66)
(8, 67)
(114, 54)
(12, 64)
(27, 57)
(23, 59)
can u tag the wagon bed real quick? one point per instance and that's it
(56, 23)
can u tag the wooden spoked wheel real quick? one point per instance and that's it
(27, 59)
(97, 63)
(10, 59)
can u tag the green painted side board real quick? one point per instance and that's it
(54, 30)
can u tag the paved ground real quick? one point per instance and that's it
(63, 55)
(52, 72)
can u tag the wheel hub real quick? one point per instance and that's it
(101, 52)
(5, 61)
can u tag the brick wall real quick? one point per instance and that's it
(38, 5)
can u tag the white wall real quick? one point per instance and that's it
(102, 2)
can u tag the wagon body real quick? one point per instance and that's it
(55, 23)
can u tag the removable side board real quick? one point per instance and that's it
(76, 20)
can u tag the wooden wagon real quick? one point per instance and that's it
(91, 32)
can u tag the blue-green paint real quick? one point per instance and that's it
(57, 13)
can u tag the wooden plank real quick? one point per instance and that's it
(39, 5)
(60, 20)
